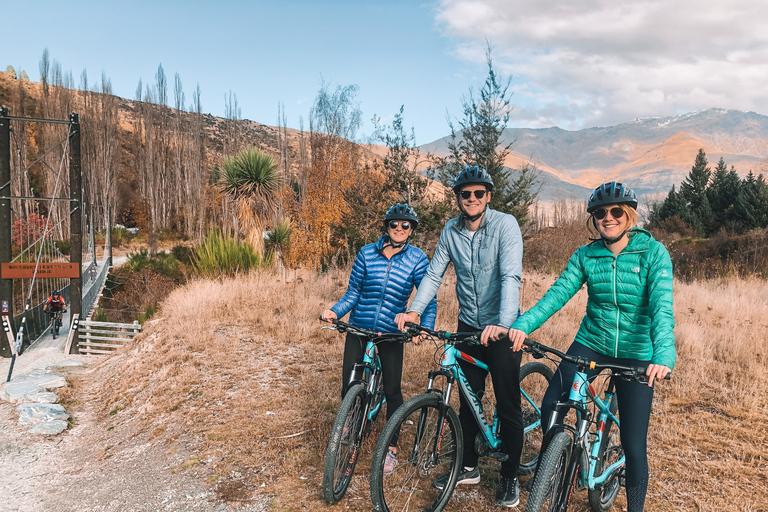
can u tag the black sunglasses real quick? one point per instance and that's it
(404, 224)
(479, 194)
(615, 212)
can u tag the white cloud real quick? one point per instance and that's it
(601, 62)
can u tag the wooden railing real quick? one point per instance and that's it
(105, 337)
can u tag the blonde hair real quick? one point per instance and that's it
(630, 222)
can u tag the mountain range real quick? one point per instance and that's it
(649, 154)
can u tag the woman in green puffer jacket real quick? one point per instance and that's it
(629, 318)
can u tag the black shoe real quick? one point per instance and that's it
(508, 494)
(471, 476)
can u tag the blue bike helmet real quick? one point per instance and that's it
(472, 175)
(612, 192)
(401, 211)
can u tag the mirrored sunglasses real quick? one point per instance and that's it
(479, 194)
(404, 224)
(615, 212)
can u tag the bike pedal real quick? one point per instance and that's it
(499, 456)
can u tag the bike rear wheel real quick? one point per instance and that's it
(551, 487)
(344, 445)
(534, 380)
(600, 500)
(410, 485)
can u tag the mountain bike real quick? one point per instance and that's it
(55, 322)
(358, 411)
(587, 454)
(430, 437)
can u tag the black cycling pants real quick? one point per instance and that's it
(504, 366)
(391, 356)
(635, 400)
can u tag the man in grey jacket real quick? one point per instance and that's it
(486, 249)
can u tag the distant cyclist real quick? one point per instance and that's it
(56, 304)
(383, 277)
(629, 318)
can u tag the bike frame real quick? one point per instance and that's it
(450, 369)
(581, 394)
(368, 374)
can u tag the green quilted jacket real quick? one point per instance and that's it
(629, 305)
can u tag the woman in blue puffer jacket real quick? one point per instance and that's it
(383, 277)
(629, 319)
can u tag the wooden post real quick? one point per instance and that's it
(75, 224)
(6, 285)
(92, 232)
(108, 241)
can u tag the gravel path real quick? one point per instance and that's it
(92, 467)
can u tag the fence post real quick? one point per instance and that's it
(6, 285)
(75, 224)
(108, 241)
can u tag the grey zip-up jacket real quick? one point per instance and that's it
(488, 268)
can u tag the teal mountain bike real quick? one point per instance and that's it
(586, 454)
(430, 437)
(358, 411)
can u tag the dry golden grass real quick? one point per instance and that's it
(238, 374)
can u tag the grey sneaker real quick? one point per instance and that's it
(390, 462)
(508, 494)
(466, 476)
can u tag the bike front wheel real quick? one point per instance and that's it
(427, 449)
(551, 486)
(344, 445)
(600, 500)
(534, 380)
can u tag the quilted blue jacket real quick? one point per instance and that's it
(379, 288)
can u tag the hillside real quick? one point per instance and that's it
(238, 411)
(651, 154)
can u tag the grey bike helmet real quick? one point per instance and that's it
(472, 175)
(401, 211)
(612, 192)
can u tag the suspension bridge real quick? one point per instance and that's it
(43, 243)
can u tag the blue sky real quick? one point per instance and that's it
(575, 64)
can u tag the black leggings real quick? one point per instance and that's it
(391, 357)
(504, 366)
(635, 400)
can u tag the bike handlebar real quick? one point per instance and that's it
(402, 337)
(582, 363)
(449, 337)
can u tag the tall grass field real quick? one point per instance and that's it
(238, 373)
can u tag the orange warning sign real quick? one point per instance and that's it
(44, 270)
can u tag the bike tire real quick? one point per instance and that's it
(534, 380)
(551, 486)
(410, 485)
(344, 444)
(600, 500)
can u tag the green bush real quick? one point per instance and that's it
(185, 255)
(164, 263)
(225, 255)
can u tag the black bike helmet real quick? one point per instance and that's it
(612, 192)
(471, 175)
(55, 293)
(401, 212)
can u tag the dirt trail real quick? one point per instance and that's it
(92, 467)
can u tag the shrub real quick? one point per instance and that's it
(161, 262)
(225, 255)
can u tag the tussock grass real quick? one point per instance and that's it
(238, 373)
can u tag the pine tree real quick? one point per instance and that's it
(698, 213)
